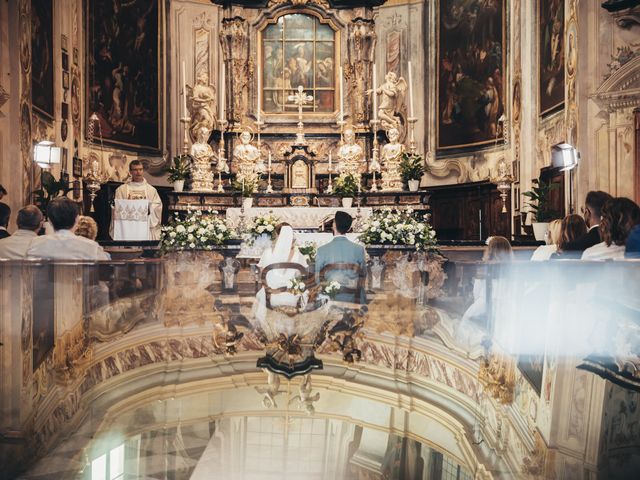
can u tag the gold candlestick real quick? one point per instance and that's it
(412, 142)
(221, 158)
(375, 161)
(185, 140)
(269, 187)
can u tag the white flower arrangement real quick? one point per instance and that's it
(396, 227)
(194, 232)
(332, 289)
(296, 286)
(264, 225)
(309, 250)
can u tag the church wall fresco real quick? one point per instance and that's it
(551, 39)
(124, 74)
(471, 73)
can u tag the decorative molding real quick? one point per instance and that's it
(620, 90)
(497, 374)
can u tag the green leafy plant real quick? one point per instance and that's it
(180, 169)
(246, 188)
(540, 201)
(50, 189)
(411, 166)
(346, 186)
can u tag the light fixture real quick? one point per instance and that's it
(564, 156)
(46, 154)
(503, 181)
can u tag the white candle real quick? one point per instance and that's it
(184, 89)
(341, 97)
(410, 92)
(222, 92)
(375, 95)
(259, 93)
(329, 161)
(269, 161)
(242, 185)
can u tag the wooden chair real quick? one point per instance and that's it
(304, 276)
(353, 267)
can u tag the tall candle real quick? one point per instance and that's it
(329, 161)
(259, 93)
(242, 185)
(184, 89)
(410, 92)
(269, 161)
(341, 97)
(375, 94)
(222, 92)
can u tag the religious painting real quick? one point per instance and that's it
(532, 367)
(298, 50)
(471, 73)
(552, 55)
(123, 72)
(42, 57)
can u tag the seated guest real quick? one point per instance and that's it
(619, 216)
(572, 228)
(498, 250)
(552, 237)
(63, 244)
(29, 222)
(5, 213)
(632, 249)
(342, 250)
(86, 227)
(592, 216)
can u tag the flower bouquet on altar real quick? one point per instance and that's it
(309, 250)
(194, 232)
(264, 225)
(396, 227)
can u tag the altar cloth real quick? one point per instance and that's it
(297, 217)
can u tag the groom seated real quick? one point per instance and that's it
(344, 262)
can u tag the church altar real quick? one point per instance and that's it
(297, 217)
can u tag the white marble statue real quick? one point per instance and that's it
(304, 398)
(247, 158)
(391, 157)
(350, 155)
(202, 155)
(202, 100)
(392, 92)
(270, 391)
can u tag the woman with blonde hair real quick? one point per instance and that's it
(86, 227)
(552, 237)
(498, 250)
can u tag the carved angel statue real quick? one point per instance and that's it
(392, 92)
(270, 392)
(202, 100)
(350, 155)
(304, 398)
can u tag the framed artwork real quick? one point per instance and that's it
(298, 49)
(77, 167)
(123, 65)
(552, 55)
(65, 80)
(532, 368)
(42, 57)
(471, 73)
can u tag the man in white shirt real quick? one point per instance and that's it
(139, 189)
(29, 222)
(63, 244)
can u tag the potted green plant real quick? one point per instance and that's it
(540, 207)
(179, 171)
(411, 170)
(246, 187)
(346, 187)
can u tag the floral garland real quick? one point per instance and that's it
(194, 232)
(264, 225)
(396, 227)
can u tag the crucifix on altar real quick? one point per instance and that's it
(300, 99)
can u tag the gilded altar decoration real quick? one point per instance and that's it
(202, 101)
(202, 155)
(361, 47)
(497, 374)
(391, 157)
(391, 102)
(298, 50)
(234, 40)
(350, 156)
(247, 159)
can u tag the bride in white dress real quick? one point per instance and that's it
(282, 251)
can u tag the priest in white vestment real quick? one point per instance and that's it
(139, 218)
